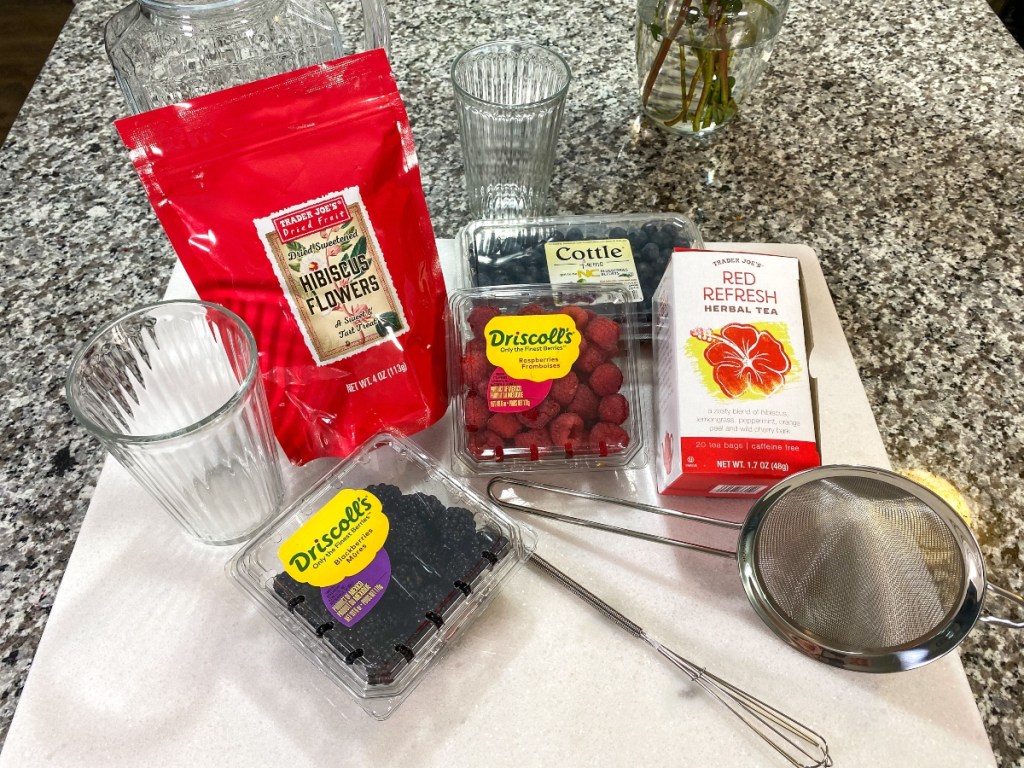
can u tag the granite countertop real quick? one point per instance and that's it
(891, 145)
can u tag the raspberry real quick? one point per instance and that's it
(539, 416)
(613, 409)
(504, 425)
(475, 412)
(590, 357)
(486, 445)
(477, 346)
(484, 384)
(584, 404)
(608, 438)
(604, 333)
(532, 309)
(578, 314)
(567, 432)
(606, 379)
(563, 390)
(475, 369)
(533, 438)
(479, 318)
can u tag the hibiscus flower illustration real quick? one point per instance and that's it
(744, 359)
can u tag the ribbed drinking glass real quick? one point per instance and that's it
(173, 391)
(509, 98)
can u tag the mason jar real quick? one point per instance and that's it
(167, 51)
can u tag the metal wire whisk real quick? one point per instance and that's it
(794, 741)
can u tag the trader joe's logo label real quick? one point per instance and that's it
(342, 539)
(330, 267)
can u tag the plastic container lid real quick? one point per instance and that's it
(629, 248)
(544, 377)
(373, 571)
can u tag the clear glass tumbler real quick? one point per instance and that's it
(173, 391)
(509, 98)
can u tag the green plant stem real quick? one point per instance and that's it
(682, 88)
(723, 75)
(708, 72)
(666, 46)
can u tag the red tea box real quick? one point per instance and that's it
(734, 408)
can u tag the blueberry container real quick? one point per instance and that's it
(544, 377)
(377, 567)
(626, 248)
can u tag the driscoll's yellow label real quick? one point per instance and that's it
(340, 540)
(533, 347)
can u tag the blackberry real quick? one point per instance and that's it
(436, 554)
(386, 493)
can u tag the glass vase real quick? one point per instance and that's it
(697, 60)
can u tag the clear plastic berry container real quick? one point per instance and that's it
(544, 377)
(628, 248)
(377, 567)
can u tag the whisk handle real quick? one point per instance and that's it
(587, 596)
(1012, 597)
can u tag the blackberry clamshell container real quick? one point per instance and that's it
(544, 377)
(375, 570)
(629, 248)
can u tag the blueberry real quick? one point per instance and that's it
(650, 229)
(663, 239)
(556, 237)
(616, 233)
(650, 252)
(637, 239)
(574, 233)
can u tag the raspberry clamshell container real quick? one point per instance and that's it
(544, 377)
(418, 554)
(632, 248)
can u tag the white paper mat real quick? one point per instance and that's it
(152, 657)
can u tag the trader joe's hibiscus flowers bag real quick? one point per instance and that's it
(296, 202)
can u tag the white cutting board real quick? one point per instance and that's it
(151, 657)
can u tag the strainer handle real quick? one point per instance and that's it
(1012, 597)
(495, 496)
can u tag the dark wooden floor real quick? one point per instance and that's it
(28, 29)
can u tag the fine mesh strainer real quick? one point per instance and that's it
(855, 566)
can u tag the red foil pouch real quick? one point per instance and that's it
(296, 202)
